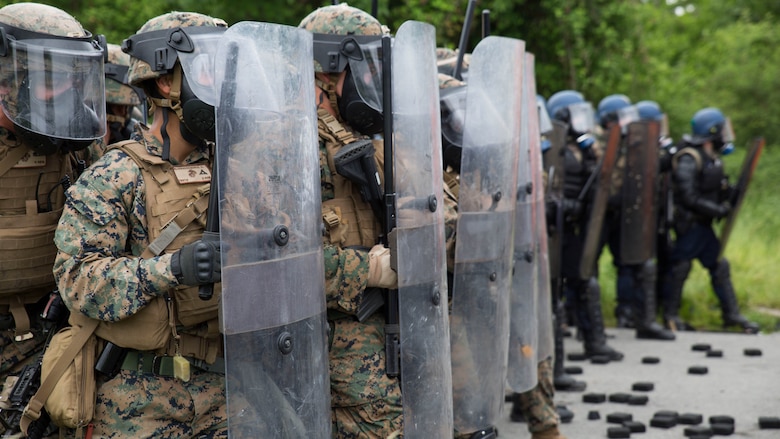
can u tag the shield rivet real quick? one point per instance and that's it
(285, 343)
(436, 298)
(493, 276)
(281, 235)
(432, 203)
(497, 196)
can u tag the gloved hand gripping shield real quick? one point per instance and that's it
(273, 295)
(53, 88)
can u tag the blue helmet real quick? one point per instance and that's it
(709, 124)
(559, 101)
(571, 107)
(649, 110)
(608, 108)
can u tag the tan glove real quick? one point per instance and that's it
(379, 272)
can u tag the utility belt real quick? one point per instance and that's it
(163, 365)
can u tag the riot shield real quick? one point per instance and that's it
(543, 310)
(599, 206)
(485, 241)
(552, 162)
(639, 212)
(273, 296)
(523, 335)
(740, 189)
(418, 238)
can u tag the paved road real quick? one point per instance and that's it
(737, 385)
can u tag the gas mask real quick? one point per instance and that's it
(197, 116)
(356, 111)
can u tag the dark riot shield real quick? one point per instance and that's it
(745, 176)
(523, 334)
(485, 241)
(552, 162)
(639, 212)
(273, 296)
(599, 206)
(418, 239)
(543, 312)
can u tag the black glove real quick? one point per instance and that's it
(572, 209)
(723, 209)
(198, 263)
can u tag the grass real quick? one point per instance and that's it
(753, 251)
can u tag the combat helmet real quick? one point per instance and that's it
(709, 124)
(608, 108)
(347, 39)
(570, 106)
(52, 71)
(118, 90)
(184, 45)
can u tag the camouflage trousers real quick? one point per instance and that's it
(365, 402)
(141, 405)
(537, 404)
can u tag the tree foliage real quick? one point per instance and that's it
(684, 54)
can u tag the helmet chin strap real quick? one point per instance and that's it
(330, 89)
(174, 103)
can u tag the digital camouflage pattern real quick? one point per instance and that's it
(41, 18)
(340, 19)
(537, 404)
(101, 233)
(446, 59)
(140, 70)
(118, 92)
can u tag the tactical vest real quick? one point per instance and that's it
(31, 201)
(575, 173)
(349, 221)
(169, 204)
(709, 180)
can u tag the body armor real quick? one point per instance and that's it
(150, 329)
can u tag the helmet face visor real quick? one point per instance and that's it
(198, 65)
(55, 88)
(545, 125)
(727, 132)
(582, 117)
(366, 67)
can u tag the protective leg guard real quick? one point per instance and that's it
(595, 338)
(724, 289)
(645, 307)
(673, 297)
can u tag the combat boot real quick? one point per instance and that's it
(561, 380)
(550, 433)
(645, 306)
(721, 283)
(595, 340)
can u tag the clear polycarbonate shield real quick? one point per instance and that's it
(426, 375)
(639, 210)
(199, 66)
(543, 310)
(583, 117)
(273, 300)
(523, 334)
(453, 114)
(55, 87)
(479, 322)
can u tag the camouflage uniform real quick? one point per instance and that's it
(102, 232)
(32, 186)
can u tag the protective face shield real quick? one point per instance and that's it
(54, 89)
(581, 123)
(545, 124)
(627, 115)
(452, 102)
(360, 103)
(725, 142)
(195, 49)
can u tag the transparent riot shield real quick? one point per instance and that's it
(543, 310)
(273, 300)
(523, 336)
(419, 235)
(483, 254)
(639, 210)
